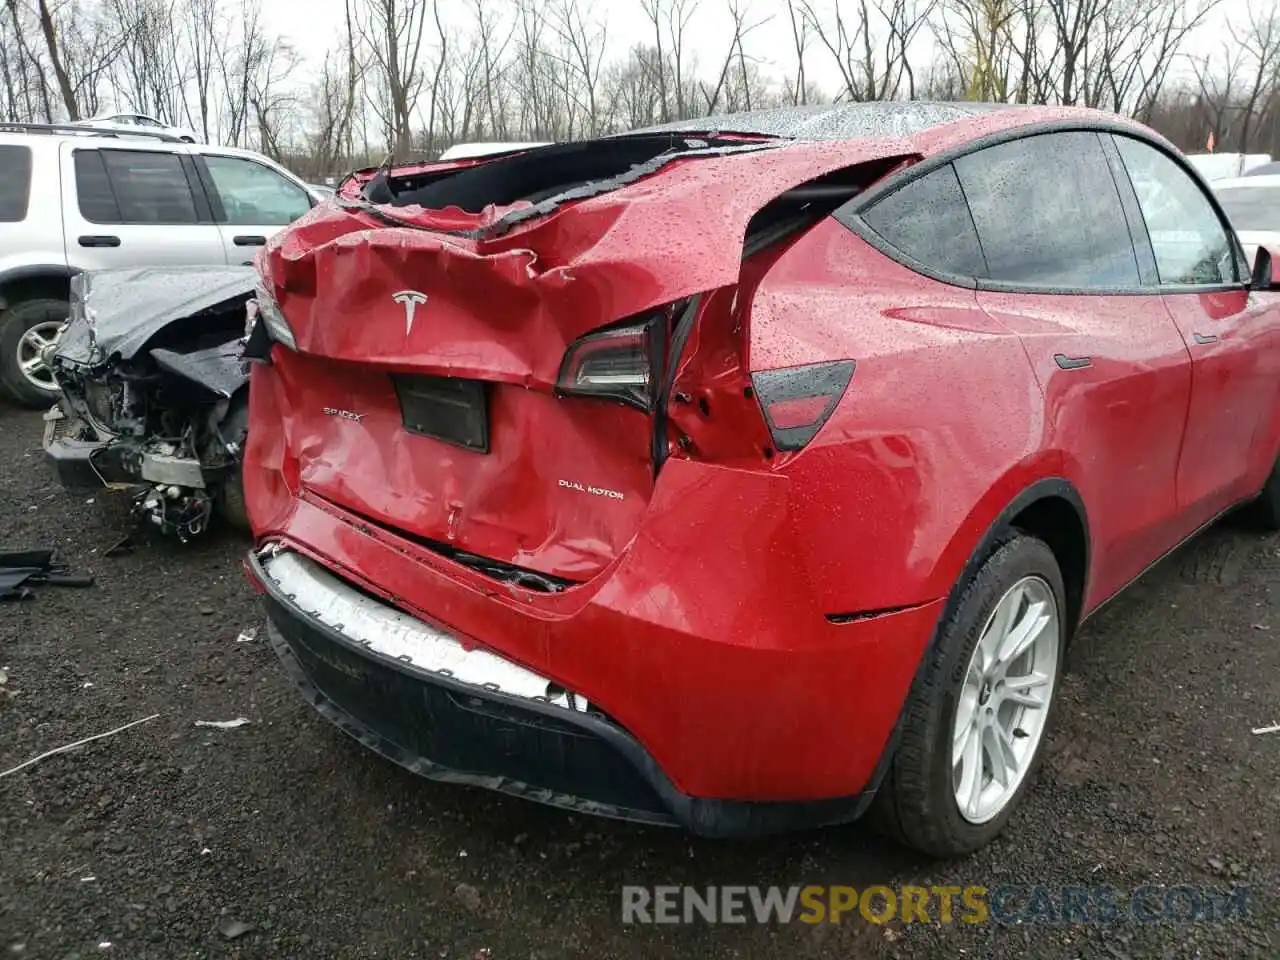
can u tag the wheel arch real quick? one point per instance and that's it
(1055, 514)
(1032, 510)
(1052, 510)
(28, 282)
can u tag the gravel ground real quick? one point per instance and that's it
(282, 838)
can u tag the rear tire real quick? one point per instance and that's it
(19, 325)
(917, 803)
(1264, 513)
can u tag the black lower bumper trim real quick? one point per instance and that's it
(85, 464)
(448, 731)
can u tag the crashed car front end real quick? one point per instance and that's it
(154, 391)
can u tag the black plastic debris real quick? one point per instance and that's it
(21, 570)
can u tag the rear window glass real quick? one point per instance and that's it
(133, 186)
(15, 182)
(929, 221)
(1252, 208)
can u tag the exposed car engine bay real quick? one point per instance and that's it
(155, 392)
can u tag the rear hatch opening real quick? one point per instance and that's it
(532, 184)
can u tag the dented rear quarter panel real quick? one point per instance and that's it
(941, 427)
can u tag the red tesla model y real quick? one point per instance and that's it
(748, 473)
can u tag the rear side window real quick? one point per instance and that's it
(133, 186)
(15, 183)
(929, 222)
(1048, 212)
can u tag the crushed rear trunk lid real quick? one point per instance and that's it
(431, 389)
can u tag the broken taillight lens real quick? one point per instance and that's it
(613, 363)
(273, 320)
(797, 401)
(620, 362)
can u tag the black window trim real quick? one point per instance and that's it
(850, 215)
(199, 190)
(1144, 251)
(215, 198)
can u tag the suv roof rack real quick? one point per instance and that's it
(83, 130)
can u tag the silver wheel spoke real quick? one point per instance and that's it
(1023, 690)
(965, 731)
(32, 365)
(969, 792)
(998, 719)
(998, 627)
(1023, 635)
(1004, 763)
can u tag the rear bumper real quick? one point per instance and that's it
(79, 464)
(715, 721)
(450, 730)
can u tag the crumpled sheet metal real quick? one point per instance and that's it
(506, 309)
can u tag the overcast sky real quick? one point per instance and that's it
(313, 26)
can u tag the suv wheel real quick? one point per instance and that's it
(26, 330)
(977, 715)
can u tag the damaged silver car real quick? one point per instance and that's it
(154, 391)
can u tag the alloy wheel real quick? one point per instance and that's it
(31, 351)
(1004, 703)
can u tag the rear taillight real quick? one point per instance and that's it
(797, 401)
(273, 320)
(614, 363)
(622, 362)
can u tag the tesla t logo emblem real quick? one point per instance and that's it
(410, 299)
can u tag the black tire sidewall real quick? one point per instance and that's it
(916, 804)
(1018, 558)
(14, 322)
(230, 499)
(1264, 512)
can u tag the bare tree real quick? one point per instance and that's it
(800, 35)
(872, 49)
(1260, 42)
(393, 30)
(584, 42)
(205, 33)
(670, 20)
(53, 48)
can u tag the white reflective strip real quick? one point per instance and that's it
(392, 633)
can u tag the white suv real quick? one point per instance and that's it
(74, 198)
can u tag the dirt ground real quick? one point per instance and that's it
(282, 838)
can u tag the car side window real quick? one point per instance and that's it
(1190, 243)
(1048, 212)
(928, 221)
(255, 195)
(15, 185)
(133, 187)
